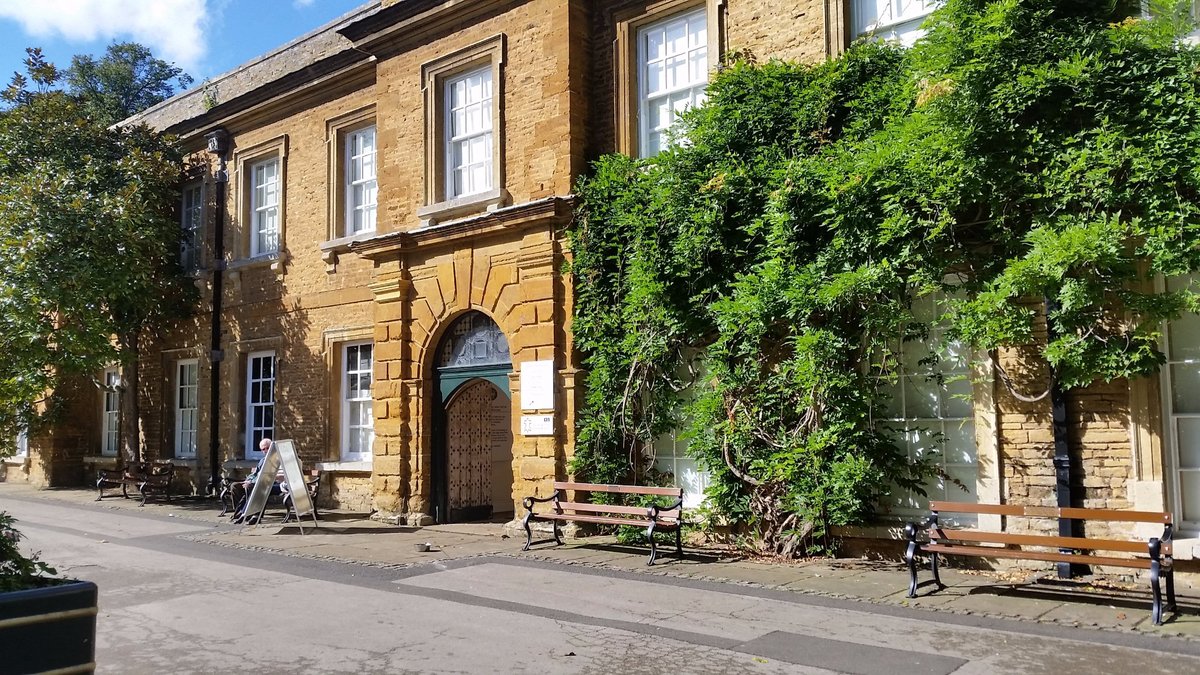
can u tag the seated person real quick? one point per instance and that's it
(241, 491)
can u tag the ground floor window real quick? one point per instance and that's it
(22, 449)
(186, 407)
(260, 401)
(1181, 394)
(110, 413)
(670, 456)
(358, 419)
(931, 414)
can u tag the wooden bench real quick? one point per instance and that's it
(147, 477)
(654, 518)
(1078, 550)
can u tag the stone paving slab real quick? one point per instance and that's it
(353, 538)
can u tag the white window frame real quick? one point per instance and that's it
(893, 23)
(191, 218)
(348, 427)
(251, 447)
(185, 438)
(369, 184)
(22, 442)
(941, 424)
(266, 206)
(693, 87)
(482, 136)
(1174, 468)
(670, 454)
(110, 413)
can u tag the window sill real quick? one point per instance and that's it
(273, 260)
(343, 467)
(21, 461)
(331, 249)
(239, 464)
(463, 206)
(102, 461)
(1187, 548)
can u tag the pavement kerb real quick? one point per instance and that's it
(257, 540)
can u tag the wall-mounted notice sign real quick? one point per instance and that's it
(537, 425)
(537, 385)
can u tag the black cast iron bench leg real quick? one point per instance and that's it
(653, 544)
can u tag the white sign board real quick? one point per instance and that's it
(301, 502)
(537, 385)
(537, 425)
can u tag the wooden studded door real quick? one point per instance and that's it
(478, 452)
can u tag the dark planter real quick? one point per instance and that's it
(49, 629)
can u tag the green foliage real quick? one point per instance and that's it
(18, 571)
(125, 81)
(754, 284)
(88, 242)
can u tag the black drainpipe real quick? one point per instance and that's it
(1067, 527)
(218, 144)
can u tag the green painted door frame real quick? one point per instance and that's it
(446, 382)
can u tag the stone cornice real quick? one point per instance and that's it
(553, 210)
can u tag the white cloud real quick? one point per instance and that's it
(173, 29)
(301, 4)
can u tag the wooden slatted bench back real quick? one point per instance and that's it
(567, 504)
(940, 533)
(1064, 549)
(636, 515)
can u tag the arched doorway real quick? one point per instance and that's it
(472, 458)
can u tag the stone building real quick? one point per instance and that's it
(375, 214)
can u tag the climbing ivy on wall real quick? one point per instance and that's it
(752, 287)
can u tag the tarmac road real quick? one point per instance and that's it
(170, 604)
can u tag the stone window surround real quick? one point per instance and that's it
(433, 76)
(1153, 484)
(628, 22)
(238, 404)
(334, 341)
(170, 371)
(336, 130)
(243, 160)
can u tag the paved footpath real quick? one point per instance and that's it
(181, 591)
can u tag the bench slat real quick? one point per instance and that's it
(606, 508)
(984, 552)
(621, 489)
(601, 508)
(1114, 515)
(1045, 540)
(605, 520)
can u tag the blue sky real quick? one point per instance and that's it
(204, 37)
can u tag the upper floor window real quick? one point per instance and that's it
(464, 118)
(672, 57)
(265, 213)
(468, 115)
(893, 20)
(191, 217)
(361, 187)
